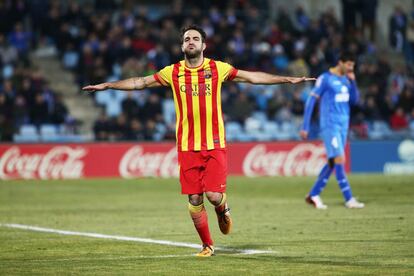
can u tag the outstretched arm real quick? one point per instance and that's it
(310, 103)
(136, 83)
(265, 78)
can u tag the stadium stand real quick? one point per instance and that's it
(111, 40)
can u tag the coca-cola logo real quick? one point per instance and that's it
(137, 163)
(303, 159)
(59, 162)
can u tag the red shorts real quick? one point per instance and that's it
(203, 171)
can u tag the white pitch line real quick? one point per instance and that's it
(134, 239)
(112, 259)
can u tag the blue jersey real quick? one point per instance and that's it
(335, 93)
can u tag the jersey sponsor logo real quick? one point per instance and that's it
(196, 89)
(343, 96)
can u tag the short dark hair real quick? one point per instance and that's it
(347, 56)
(193, 27)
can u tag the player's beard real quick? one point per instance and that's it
(190, 54)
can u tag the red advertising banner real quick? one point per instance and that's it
(132, 160)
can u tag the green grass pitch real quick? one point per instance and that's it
(268, 213)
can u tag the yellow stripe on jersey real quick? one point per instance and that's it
(196, 112)
(220, 117)
(178, 114)
(166, 74)
(209, 112)
(223, 72)
(184, 138)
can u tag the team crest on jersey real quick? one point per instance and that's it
(207, 74)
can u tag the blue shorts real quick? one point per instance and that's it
(335, 141)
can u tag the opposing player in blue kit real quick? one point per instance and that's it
(336, 89)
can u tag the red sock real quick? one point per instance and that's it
(199, 216)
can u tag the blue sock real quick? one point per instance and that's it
(343, 182)
(321, 181)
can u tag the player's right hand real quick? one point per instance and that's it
(97, 87)
(351, 75)
(303, 134)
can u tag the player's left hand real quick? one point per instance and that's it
(298, 80)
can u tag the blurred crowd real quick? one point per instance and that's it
(25, 95)
(106, 40)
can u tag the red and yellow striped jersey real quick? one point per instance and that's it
(197, 98)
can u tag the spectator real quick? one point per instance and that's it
(359, 127)
(137, 132)
(302, 20)
(20, 39)
(20, 112)
(371, 110)
(349, 14)
(386, 108)
(6, 119)
(152, 109)
(8, 92)
(8, 53)
(39, 113)
(369, 18)
(409, 46)
(59, 111)
(298, 106)
(397, 27)
(102, 127)
(284, 21)
(6, 15)
(120, 129)
(399, 120)
(150, 130)
(70, 58)
(130, 106)
(241, 109)
(406, 100)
